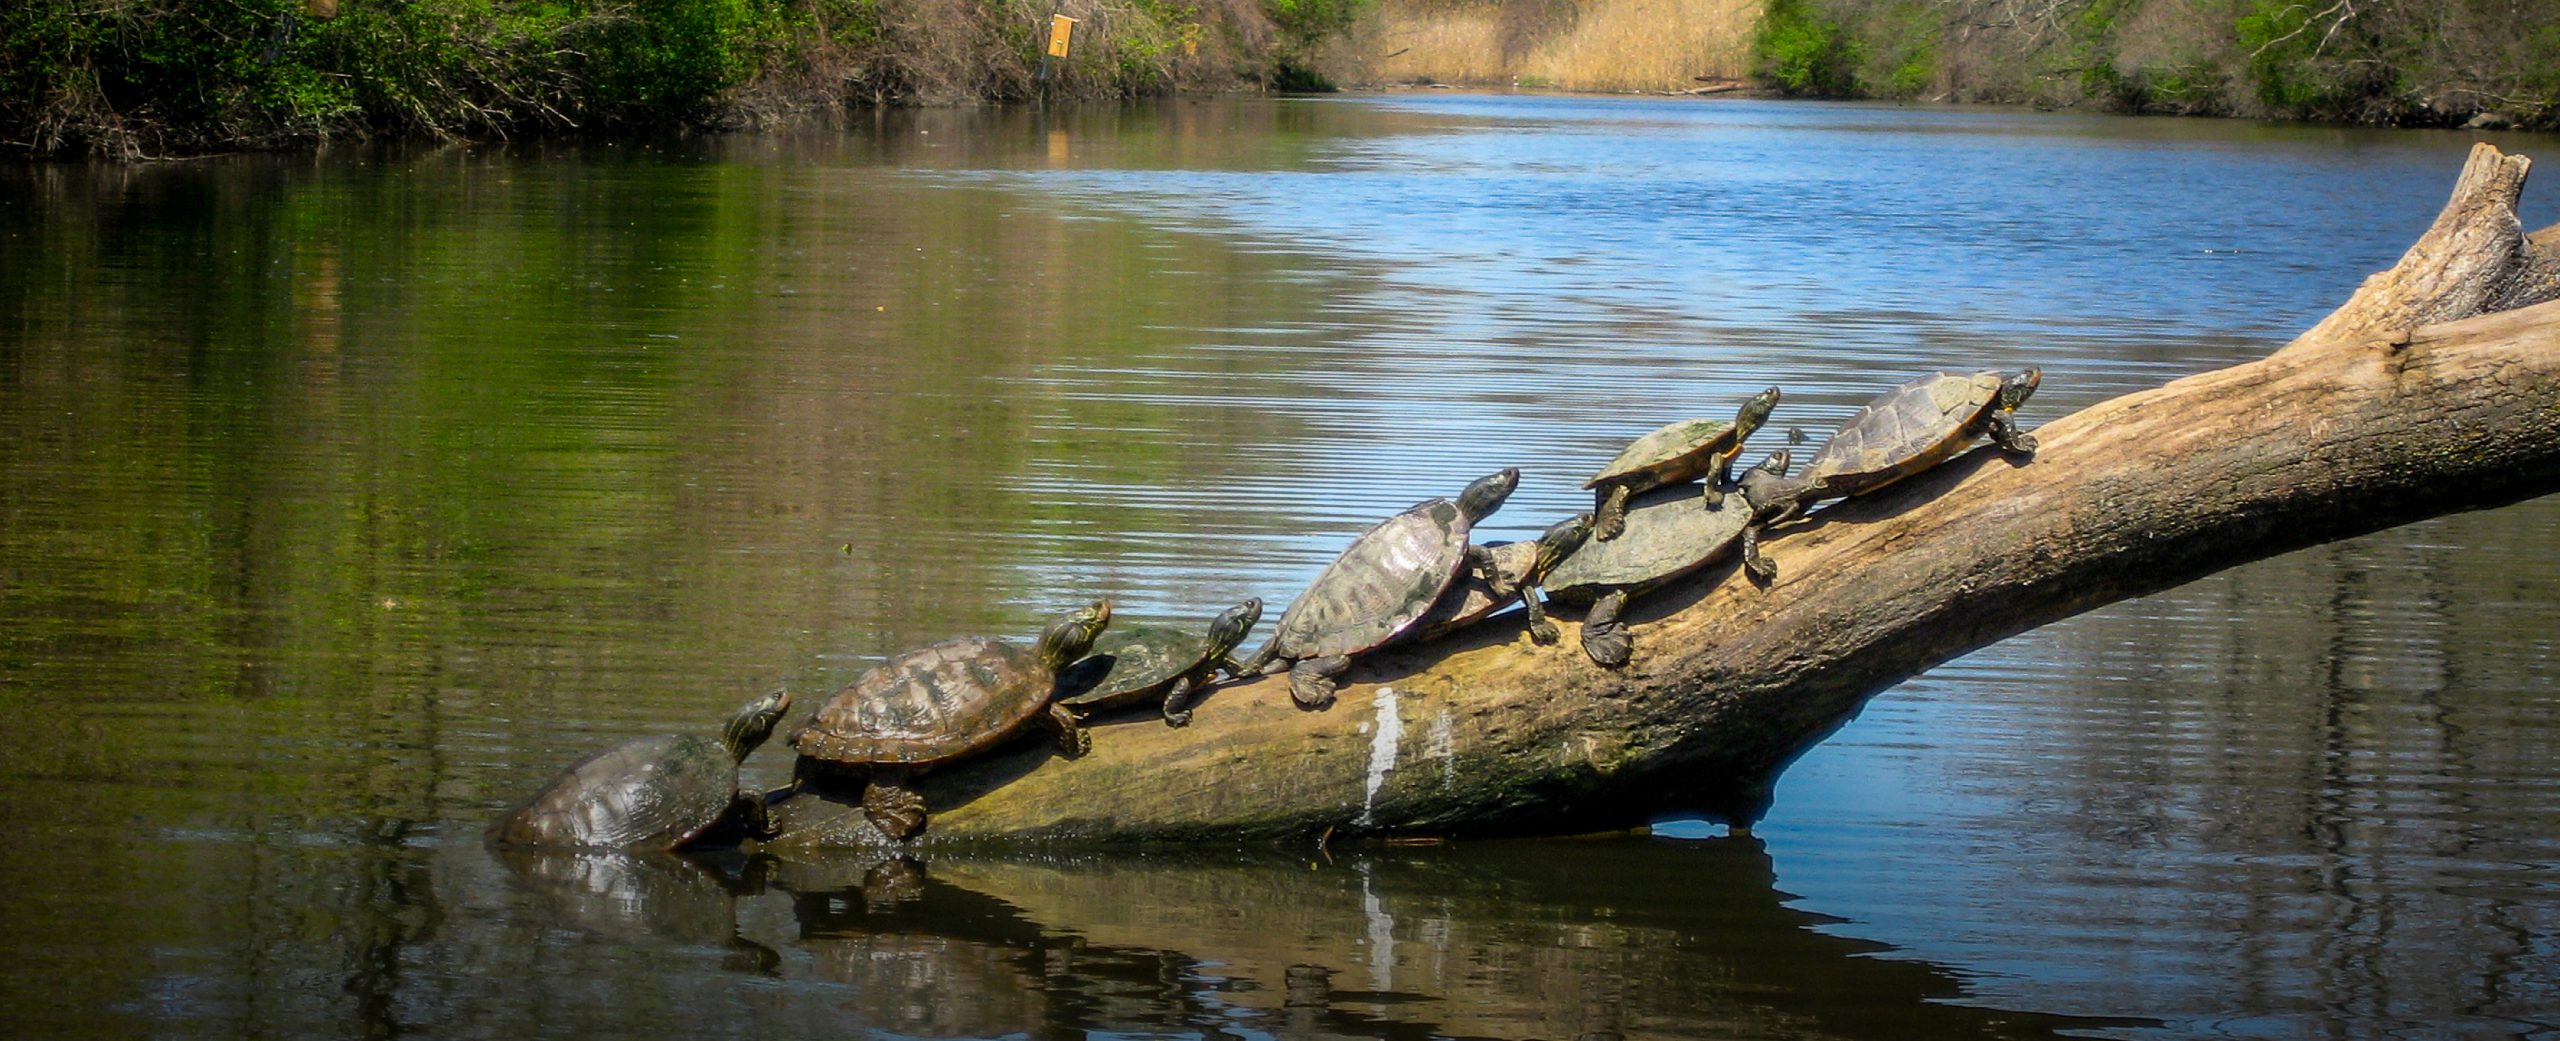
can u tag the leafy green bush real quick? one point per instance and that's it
(1802, 52)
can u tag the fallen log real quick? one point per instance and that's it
(2435, 389)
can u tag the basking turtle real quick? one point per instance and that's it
(1132, 665)
(1902, 432)
(1518, 569)
(655, 793)
(1673, 454)
(1378, 587)
(1668, 535)
(935, 704)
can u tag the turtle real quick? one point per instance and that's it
(1518, 569)
(1379, 587)
(1132, 665)
(940, 703)
(1902, 432)
(1674, 453)
(668, 792)
(1669, 534)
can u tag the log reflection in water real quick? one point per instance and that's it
(1492, 940)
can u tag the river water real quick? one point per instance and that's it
(345, 497)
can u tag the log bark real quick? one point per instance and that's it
(2435, 389)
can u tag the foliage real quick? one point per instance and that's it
(152, 77)
(1802, 52)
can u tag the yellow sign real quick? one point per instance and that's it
(1062, 29)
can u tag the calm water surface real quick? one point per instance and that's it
(343, 498)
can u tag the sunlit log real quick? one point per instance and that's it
(2435, 389)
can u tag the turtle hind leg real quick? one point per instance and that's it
(897, 811)
(1311, 680)
(1609, 512)
(1605, 638)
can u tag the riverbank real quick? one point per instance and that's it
(152, 78)
(2467, 62)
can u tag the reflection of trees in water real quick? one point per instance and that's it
(2302, 759)
(1497, 940)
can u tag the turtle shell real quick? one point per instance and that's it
(1904, 431)
(931, 705)
(1670, 532)
(1380, 585)
(652, 793)
(1672, 453)
(1129, 665)
(1470, 598)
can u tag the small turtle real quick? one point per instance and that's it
(1379, 587)
(1132, 665)
(1902, 432)
(1518, 570)
(655, 793)
(940, 703)
(1668, 535)
(1673, 454)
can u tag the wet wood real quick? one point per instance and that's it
(2435, 389)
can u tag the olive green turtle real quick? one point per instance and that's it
(672, 791)
(1168, 664)
(1669, 534)
(941, 703)
(1674, 453)
(1902, 432)
(1378, 588)
(1518, 570)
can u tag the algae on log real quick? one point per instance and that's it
(2361, 424)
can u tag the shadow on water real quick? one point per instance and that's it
(1613, 937)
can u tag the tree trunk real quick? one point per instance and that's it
(2435, 389)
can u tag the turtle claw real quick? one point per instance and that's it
(1608, 646)
(1311, 683)
(1544, 632)
(1180, 717)
(1761, 570)
(897, 812)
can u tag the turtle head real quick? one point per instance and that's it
(2015, 387)
(1767, 487)
(1754, 412)
(1233, 625)
(753, 723)
(1066, 639)
(1486, 494)
(1558, 542)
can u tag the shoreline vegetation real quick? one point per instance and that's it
(141, 79)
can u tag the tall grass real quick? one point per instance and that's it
(1596, 45)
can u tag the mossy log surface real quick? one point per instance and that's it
(2408, 403)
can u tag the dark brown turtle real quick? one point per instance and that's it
(1669, 534)
(1170, 664)
(655, 793)
(936, 704)
(1902, 432)
(1378, 588)
(1518, 570)
(1674, 453)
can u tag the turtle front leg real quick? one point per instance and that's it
(1311, 681)
(1480, 561)
(1759, 567)
(2005, 433)
(750, 811)
(894, 809)
(1177, 702)
(1604, 638)
(1541, 631)
(1609, 511)
(1073, 739)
